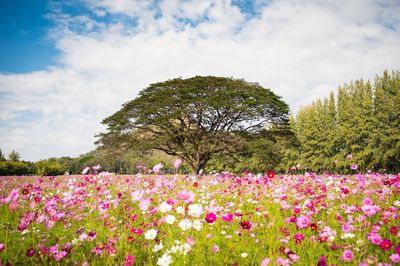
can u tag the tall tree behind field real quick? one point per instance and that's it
(365, 122)
(386, 134)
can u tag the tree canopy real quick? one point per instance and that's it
(194, 119)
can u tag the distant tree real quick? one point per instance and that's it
(50, 167)
(2, 158)
(194, 119)
(14, 156)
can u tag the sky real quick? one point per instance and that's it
(66, 65)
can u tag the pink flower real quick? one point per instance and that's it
(144, 204)
(211, 218)
(85, 170)
(2, 247)
(395, 258)
(178, 163)
(227, 217)
(266, 262)
(303, 221)
(129, 260)
(347, 228)
(349, 156)
(215, 248)
(375, 238)
(354, 166)
(157, 168)
(59, 255)
(294, 257)
(186, 196)
(347, 255)
(282, 262)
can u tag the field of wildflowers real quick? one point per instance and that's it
(221, 219)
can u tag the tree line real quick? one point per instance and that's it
(223, 124)
(359, 127)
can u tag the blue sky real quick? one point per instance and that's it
(65, 65)
(24, 46)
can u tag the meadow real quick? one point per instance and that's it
(220, 219)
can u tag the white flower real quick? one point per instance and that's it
(158, 247)
(170, 219)
(397, 203)
(195, 210)
(244, 255)
(197, 225)
(180, 210)
(185, 224)
(347, 235)
(165, 260)
(151, 234)
(184, 248)
(164, 207)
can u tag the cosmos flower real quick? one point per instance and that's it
(164, 260)
(30, 252)
(129, 260)
(165, 207)
(215, 248)
(177, 163)
(347, 255)
(386, 244)
(157, 168)
(185, 224)
(150, 234)
(170, 219)
(303, 221)
(211, 218)
(186, 196)
(195, 210)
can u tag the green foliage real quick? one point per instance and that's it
(365, 122)
(15, 168)
(194, 119)
(50, 167)
(14, 156)
(2, 158)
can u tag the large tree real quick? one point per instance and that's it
(194, 119)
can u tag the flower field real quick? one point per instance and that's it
(218, 219)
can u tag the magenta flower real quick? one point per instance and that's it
(30, 252)
(386, 244)
(354, 166)
(211, 218)
(347, 255)
(397, 249)
(129, 260)
(303, 221)
(2, 247)
(137, 231)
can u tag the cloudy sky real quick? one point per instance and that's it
(64, 66)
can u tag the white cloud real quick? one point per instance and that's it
(301, 51)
